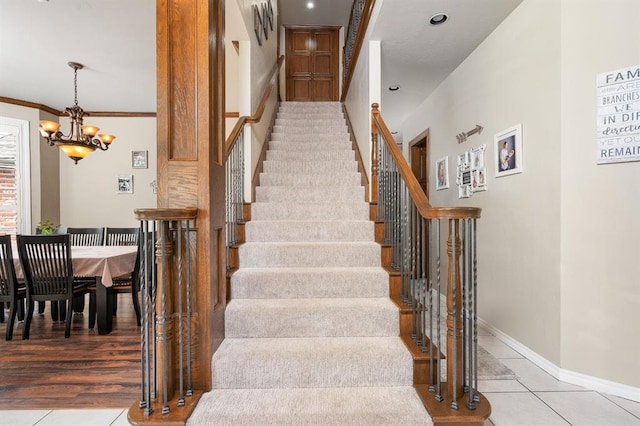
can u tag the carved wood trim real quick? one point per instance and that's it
(54, 111)
(190, 79)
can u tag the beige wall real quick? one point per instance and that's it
(43, 180)
(511, 78)
(559, 242)
(600, 207)
(88, 195)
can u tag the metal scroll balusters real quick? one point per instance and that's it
(166, 329)
(234, 193)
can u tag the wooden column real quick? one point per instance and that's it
(374, 153)
(190, 65)
(454, 313)
(165, 344)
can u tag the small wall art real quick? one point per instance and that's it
(478, 169)
(139, 159)
(508, 148)
(471, 172)
(124, 184)
(442, 173)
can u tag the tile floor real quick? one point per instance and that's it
(535, 398)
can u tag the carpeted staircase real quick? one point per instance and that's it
(311, 335)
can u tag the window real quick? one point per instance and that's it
(15, 204)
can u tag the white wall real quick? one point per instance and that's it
(256, 63)
(88, 195)
(600, 203)
(365, 89)
(262, 57)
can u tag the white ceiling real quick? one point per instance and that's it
(115, 40)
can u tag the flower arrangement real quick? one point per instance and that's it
(47, 227)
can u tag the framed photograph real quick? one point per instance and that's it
(463, 160)
(464, 191)
(442, 173)
(139, 159)
(479, 180)
(124, 184)
(509, 155)
(477, 157)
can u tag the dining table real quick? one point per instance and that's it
(104, 263)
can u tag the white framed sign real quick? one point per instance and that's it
(618, 138)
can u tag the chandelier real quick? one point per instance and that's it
(81, 140)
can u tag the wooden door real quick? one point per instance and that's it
(312, 63)
(419, 159)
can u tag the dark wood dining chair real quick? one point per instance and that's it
(11, 291)
(41, 305)
(47, 267)
(123, 284)
(86, 236)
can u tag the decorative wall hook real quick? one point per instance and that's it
(462, 137)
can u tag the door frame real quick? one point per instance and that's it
(425, 135)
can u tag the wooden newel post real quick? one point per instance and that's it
(455, 378)
(374, 152)
(165, 345)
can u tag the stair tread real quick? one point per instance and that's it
(323, 406)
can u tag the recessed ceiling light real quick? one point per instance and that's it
(310, 5)
(438, 18)
(394, 88)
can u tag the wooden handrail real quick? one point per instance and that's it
(362, 29)
(187, 213)
(415, 191)
(257, 116)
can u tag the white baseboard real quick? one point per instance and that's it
(567, 376)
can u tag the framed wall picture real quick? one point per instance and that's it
(139, 159)
(509, 155)
(442, 173)
(257, 23)
(124, 184)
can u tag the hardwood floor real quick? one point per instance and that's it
(84, 371)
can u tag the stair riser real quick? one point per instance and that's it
(311, 130)
(316, 140)
(292, 179)
(320, 211)
(307, 122)
(251, 320)
(310, 194)
(337, 117)
(267, 255)
(310, 167)
(296, 366)
(295, 156)
(309, 283)
(282, 231)
(312, 407)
